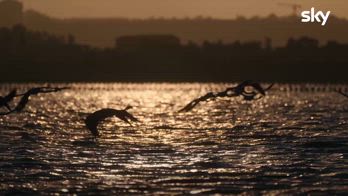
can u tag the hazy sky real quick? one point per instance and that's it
(177, 8)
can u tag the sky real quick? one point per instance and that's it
(224, 9)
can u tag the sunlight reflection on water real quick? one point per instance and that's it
(285, 143)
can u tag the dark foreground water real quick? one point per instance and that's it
(289, 142)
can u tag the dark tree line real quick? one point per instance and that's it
(37, 56)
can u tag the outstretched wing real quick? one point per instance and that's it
(37, 90)
(22, 103)
(195, 102)
(10, 96)
(258, 88)
(229, 92)
(190, 106)
(92, 121)
(269, 87)
(342, 93)
(50, 89)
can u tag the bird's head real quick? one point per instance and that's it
(128, 107)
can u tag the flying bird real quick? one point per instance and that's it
(92, 121)
(239, 90)
(4, 101)
(34, 91)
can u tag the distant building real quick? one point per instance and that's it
(11, 13)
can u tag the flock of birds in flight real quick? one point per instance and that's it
(249, 90)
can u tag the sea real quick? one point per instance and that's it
(292, 141)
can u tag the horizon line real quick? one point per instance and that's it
(202, 17)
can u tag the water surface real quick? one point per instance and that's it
(291, 141)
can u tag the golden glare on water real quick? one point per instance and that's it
(224, 146)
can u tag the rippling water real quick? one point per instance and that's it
(288, 142)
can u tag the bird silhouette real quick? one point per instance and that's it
(92, 121)
(253, 95)
(34, 91)
(239, 90)
(4, 101)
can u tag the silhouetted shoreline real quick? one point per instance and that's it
(32, 56)
(45, 49)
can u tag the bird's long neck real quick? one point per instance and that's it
(128, 107)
